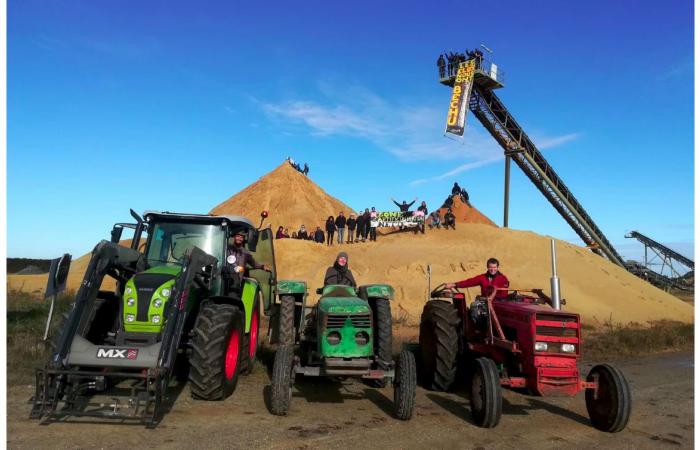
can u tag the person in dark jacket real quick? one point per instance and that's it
(404, 207)
(465, 197)
(280, 233)
(286, 232)
(352, 223)
(367, 224)
(302, 234)
(238, 260)
(421, 225)
(340, 223)
(493, 283)
(360, 226)
(306, 169)
(441, 66)
(330, 230)
(449, 219)
(456, 190)
(339, 272)
(319, 237)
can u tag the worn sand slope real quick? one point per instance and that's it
(291, 198)
(466, 213)
(593, 287)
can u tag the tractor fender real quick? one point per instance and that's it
(250, 293)
(293, 287)
(368, 291)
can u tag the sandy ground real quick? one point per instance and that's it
(330, 414)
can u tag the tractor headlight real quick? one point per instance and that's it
(333, 338)
(540, 346)
(155, 319)
(165, 292)
(129, 291)
(568, 348)
(130, 301)
(361, 338)
(130, 317)
(157, 303)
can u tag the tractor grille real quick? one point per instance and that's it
(358, 320)
(557, 331)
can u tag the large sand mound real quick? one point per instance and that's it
(290, 197)
(592, 286)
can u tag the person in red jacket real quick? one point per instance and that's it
(488, 281)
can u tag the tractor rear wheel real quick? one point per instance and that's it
(286, 322)
(251, 340)
(609, 406)
(282, 380)
(439, 345)
(405, 385)
(486, 395)
(217, 352)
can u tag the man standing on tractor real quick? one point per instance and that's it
(339, 273)
(489, 282)
(237, 260)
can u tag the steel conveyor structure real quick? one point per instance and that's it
(667, 257)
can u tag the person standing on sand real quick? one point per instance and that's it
(318, 236)
(351, 228)
(360, 225)
(367, 221)
(280, 233)
(373, 224)
(489, 282)
(330, 230)
(340, 222)
(302, 234)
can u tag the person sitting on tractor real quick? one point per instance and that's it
(237, 260)
(489, 281)
(339, 273)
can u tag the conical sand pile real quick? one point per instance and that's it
(465, 213)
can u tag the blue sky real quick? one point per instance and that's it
(178, 105)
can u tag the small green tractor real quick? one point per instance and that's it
(347, 333)
(175, 312)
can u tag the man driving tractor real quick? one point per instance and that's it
(237, 260)
(489, 282)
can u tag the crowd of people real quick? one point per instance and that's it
(362, 227)
(297, 166)
(449, 62)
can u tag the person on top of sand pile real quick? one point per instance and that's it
(449, 219)
(448, 202)
(404, 207)
(351, 228)
(456, 189)
(464, 195)
(489, 282)
(238, 259)
(306, 169)
(423, 208)
(330, 230)
(339, 272)
(340, 223)
(435, 220)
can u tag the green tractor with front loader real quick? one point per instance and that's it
(176, 312)
(346, 334)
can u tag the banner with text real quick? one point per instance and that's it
(457, 114)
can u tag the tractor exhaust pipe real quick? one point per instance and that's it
(554, 281)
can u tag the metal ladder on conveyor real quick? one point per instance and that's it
(496, 118)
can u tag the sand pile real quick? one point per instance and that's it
(592, 286)
(465, 213)
(291, 199)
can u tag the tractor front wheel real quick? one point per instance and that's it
(608, 406)
(217, 352)
(282, 380)
(439, 345)
(286, 322)
(486, 395)
(405, 385)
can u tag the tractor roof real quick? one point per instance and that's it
(184, 217)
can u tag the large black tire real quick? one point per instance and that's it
(381, 310)
(609, 408)
(439, 345)
(282, 380)
(405, 385)
(216, 357)
(486, 394)
(251, 342)
(286, 322)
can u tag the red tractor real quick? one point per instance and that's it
(518, 342)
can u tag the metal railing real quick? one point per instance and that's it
(484, 66)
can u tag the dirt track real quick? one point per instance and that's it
(330, 414)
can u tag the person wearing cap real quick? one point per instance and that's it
(339, 273)
(238, 259)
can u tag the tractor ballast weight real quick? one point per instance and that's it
(347, 333)
(174, 312)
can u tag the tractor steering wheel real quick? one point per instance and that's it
(440, 288)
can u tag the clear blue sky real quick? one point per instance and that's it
(177, 105)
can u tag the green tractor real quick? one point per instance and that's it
(347, 334)
(176, 312)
